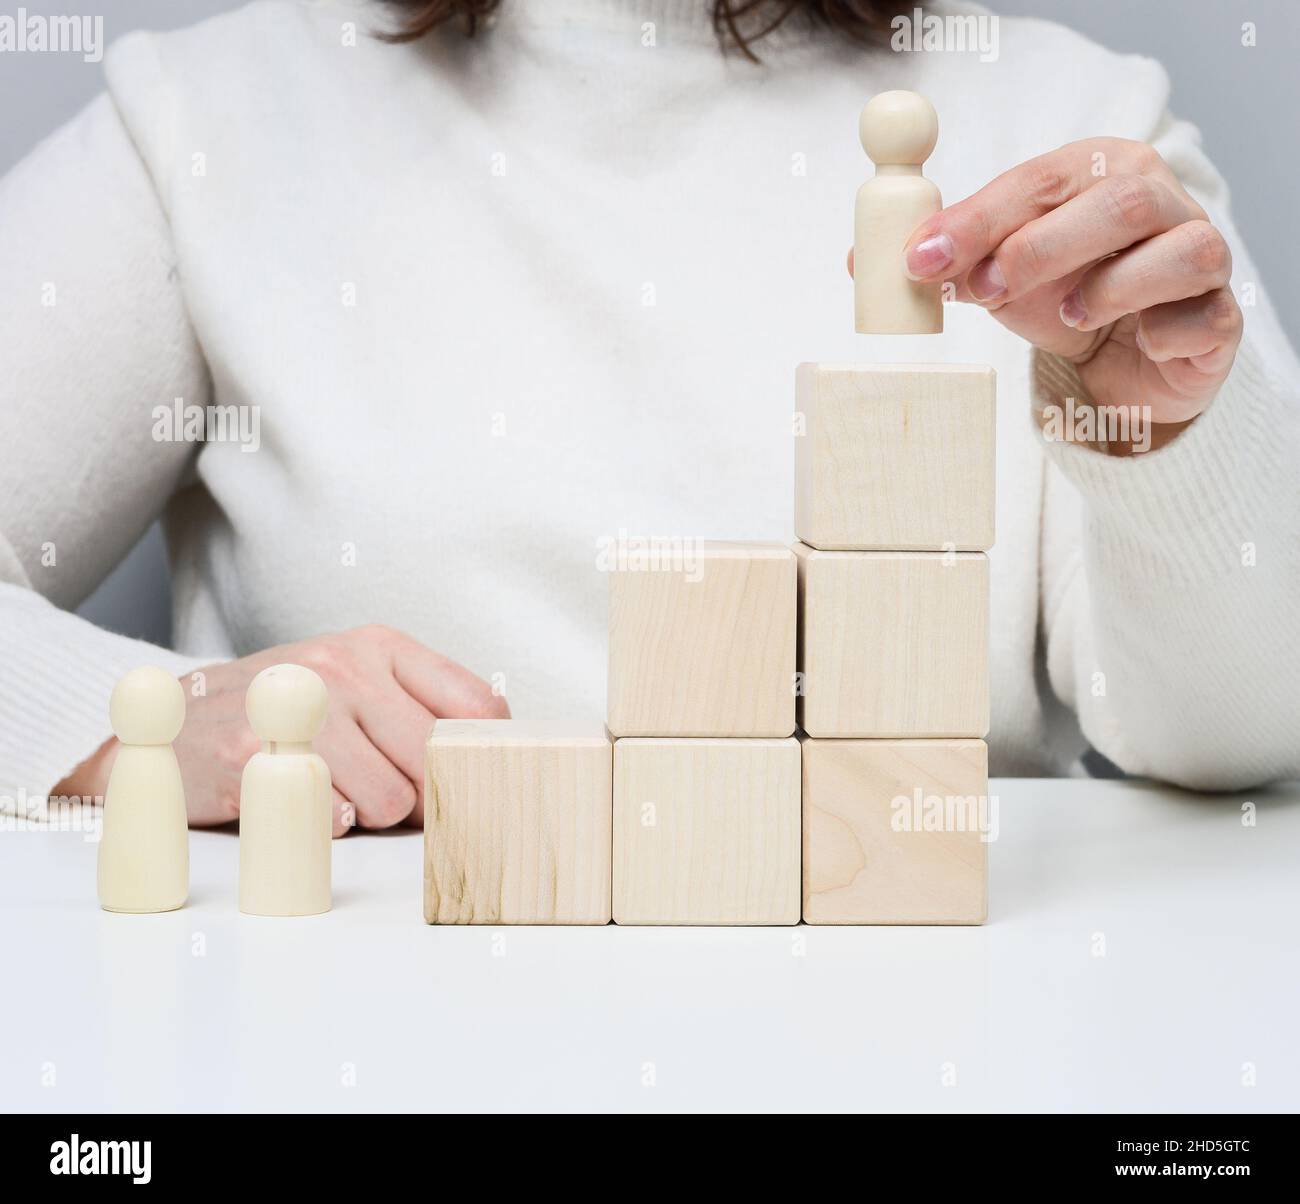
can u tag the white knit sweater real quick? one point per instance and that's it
(497, 299)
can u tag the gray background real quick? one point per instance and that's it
(1244, 101)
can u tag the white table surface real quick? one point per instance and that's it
(367, 1008)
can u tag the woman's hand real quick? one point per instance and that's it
(385, 689)
(1097, 253)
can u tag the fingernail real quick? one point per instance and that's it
(1141, 342)
(1073, 312)
(986, 282)
(929, 256)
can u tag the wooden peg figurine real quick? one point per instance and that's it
(144, 853)
(284, 798)
(898, 132)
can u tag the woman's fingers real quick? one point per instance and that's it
(952, 242)
(435, 687)
(1187, 261)
(380, 794)
(1202, 330)
(1096, 252)
(1109, 217)
(398, 727)
(441, 686)
(398, 713)
(385, 690)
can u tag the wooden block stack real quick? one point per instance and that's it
(708, 806)
(894, 511)
(894, 491)
(706, 766)
(693, 817)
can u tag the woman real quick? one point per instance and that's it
(480, 301)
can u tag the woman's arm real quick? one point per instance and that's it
(1169, 627)
(93, 337)
(1171, 575)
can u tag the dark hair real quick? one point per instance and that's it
(738, 23)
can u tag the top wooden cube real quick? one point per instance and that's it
(702, 641)
(895, 457)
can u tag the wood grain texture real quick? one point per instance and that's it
(517, 822)
(895, 457)
(891, 831)
(706, 831)
(705, 647)
(893, 644)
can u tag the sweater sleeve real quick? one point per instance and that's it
(1171, 579)
(93, 338)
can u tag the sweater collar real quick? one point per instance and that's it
(672, 20)
(676, 16)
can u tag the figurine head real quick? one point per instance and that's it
(147, 707)
(898, 128)
(286, 704)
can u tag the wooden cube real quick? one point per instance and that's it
(894, 831)
(706, 831)
(893, 644)
(895, 457)
(702, 643)
(517, 822)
